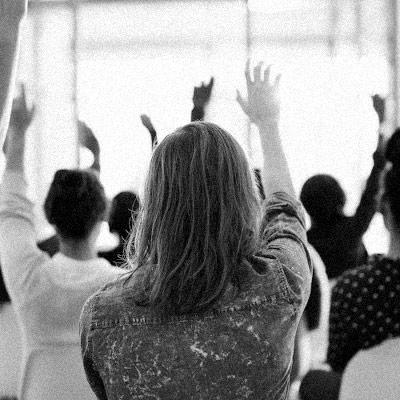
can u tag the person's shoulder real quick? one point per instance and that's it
(111, 294)
(119, 298)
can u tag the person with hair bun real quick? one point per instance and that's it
(212, 305)
(48, 293)
(122, 215)
(365, 302)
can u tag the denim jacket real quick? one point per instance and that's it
(240, 349)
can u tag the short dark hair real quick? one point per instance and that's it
(123, 211)
(323, 198)
(75, 203)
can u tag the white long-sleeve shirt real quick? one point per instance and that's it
(47, 293)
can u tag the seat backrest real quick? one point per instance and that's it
(10, 351)
(55, 374)
(373, 373)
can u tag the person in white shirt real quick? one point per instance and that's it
(48, 293)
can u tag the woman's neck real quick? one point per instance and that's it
(78, 250)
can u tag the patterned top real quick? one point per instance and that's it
(242, 348)
(365, 309)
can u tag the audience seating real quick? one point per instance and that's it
(373, 373)
(55, 374)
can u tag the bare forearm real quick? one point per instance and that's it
(275, 175)
(15, 153)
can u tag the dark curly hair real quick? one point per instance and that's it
(392, 177)
(323, 198)
(75, 203)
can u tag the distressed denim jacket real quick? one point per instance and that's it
(240, 349)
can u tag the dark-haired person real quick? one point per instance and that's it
(337, 237)
(88, 140)
(48, 293)
(365, 302)
(212, 307)
(122, 215)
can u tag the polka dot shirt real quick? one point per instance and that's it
(365, 309)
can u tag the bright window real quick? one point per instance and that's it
(111, 61)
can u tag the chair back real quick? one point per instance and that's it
(373, 373)
(55, 373)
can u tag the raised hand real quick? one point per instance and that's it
(146, 121)
(202, 94)
(88, 139)
(379, 106)
(21, 114)
(263, 103)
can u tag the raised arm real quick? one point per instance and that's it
(11, 15)
(21, 118)
(368, 203)
(18, 251)
(263, 109)
(201, 97)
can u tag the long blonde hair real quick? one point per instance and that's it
(199, 219)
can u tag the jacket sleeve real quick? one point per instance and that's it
(284, 239)
(92, 374)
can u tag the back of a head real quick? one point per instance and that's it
(75, 203)
(392, 177)
(199, 218)
(323, 198)
(124, 209)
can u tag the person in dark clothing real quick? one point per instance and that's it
(337, 237)
(123, 212)
(365, 303)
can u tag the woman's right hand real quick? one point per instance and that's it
(263, 105)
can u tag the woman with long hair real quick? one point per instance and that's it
(211, 307)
